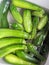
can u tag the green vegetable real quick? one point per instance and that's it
(27, 21)
(26, 4)
(35, 24)
(13, 33)
(15, 60)
(4, 22)
(39, 39)
(25, 56)
(32, 49)
(38, 13)
(8, 41)
(4, 6)
(43, 22)
(8, 49)
(3, 9)
(16, 14)
(17, 26)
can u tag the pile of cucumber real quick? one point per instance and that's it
(20, 41)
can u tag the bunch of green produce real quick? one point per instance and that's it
(19, 44)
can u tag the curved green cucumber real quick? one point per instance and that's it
(17, 16)
(32, 49)
(8, 41)
(17, 26)
(13, 33)
(25, 56)
(27, 20)
(43, 22)
(16, 60)
(35, 24)
(26, 4)
(8, 49)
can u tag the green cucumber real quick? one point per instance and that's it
(35, 24)
(16, 60)
(43, 22)
(39, 39)
(27, 5)
(32, 49)
(4, 5)
(8, 41)
(23, 55)
(17, 26)
(15, 13)
(14, 33)
(27, 21)
(8, 49)
(4, 22)
(38, 13)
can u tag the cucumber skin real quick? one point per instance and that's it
(3, 13)
(38, 41)
(23, 55)
(14, 33)
(43, 22)
(8, 41)
(8, 49)
(32, 49)
(4, 22)
(27, 5)
(35, 24)
(15, 13)
(27, 20)
(16, 60)
(38, 13)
